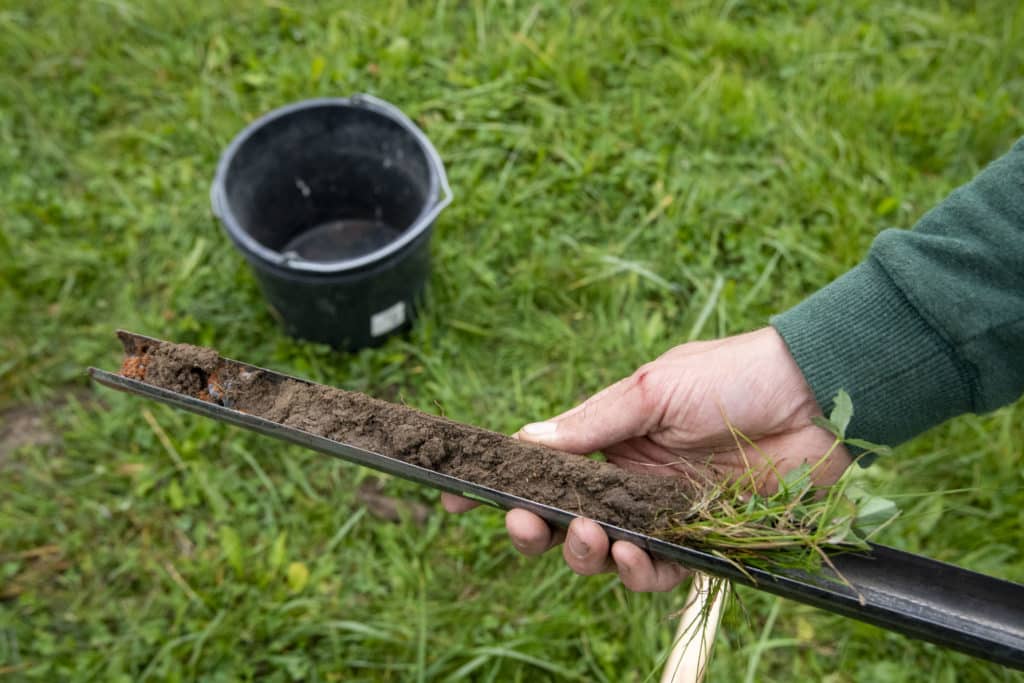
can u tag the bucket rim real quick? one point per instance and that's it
(439, 193)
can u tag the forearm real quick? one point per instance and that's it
(931, 324)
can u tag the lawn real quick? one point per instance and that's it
(626, 178)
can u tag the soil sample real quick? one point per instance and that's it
(644, 503)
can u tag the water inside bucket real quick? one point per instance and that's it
(341, 239)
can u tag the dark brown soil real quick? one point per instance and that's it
(594, 489)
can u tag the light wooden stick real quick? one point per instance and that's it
(691, 650)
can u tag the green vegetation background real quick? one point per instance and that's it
(627, 178)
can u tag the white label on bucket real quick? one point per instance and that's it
(388, 319)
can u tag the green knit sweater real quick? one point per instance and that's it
(931, 324)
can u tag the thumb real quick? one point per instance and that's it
(623, 410)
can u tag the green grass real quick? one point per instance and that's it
(626, 179)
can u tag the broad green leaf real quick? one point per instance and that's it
(840, 530)
(855, 492)
(841, 517)
(874, 511)
(842, 411)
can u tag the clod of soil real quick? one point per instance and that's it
(597, 490)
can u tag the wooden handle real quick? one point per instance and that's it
(695, 636)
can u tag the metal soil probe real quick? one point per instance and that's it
(980, 615)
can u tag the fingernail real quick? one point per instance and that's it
(578, 547)
(540, 428)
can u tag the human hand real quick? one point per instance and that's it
(671, 416)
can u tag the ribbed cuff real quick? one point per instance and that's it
(861, 334)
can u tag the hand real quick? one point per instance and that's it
(672, 414)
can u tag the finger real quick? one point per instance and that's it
(529, 533)
(640, 573)
(457, 504)
(586, 548)
(628, 408)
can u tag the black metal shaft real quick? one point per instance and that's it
(974, 613)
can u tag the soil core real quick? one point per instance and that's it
(598, 490)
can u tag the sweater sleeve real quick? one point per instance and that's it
(931, 324)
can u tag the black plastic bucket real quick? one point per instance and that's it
(332, 201)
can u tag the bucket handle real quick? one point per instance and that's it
(363, 99)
